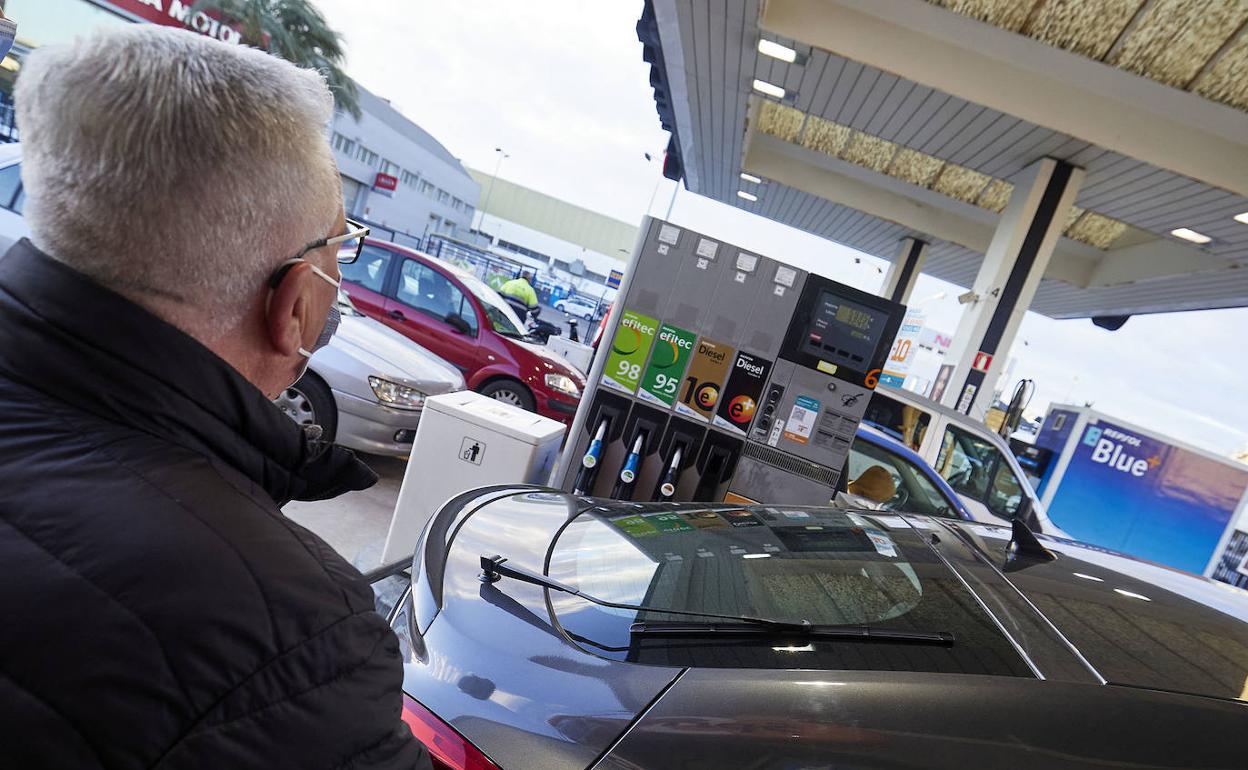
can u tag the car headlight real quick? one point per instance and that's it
(394, 394)
(562, 383)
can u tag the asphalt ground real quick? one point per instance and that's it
(356, 523)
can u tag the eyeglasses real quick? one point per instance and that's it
(349, 244)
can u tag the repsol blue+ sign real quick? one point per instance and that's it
(1146, 497)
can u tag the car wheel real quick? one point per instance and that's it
(309, 402)
(562, 307)
(510, 392)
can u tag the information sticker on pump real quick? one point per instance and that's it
(666, 369)
(629, 348)
(801, 422)
(741, 393)
(700, 392)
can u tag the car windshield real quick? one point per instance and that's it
(902, 486)
(502, 318)
(823, 565)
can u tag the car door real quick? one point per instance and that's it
(364, 280)
(424, 305)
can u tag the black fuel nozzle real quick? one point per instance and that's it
(667, 485)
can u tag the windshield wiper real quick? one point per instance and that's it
(839, 633)
(493, 568)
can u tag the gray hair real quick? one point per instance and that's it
(162, 163)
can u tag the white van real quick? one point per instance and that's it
(973, 459)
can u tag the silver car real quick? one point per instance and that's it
(367, 387)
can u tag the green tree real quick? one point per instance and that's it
(296, 31)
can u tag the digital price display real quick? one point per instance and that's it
(842, 331)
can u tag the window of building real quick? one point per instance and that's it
(389, 167)
(409, 179)
(366, 155)
(469, 210)
(427, 188)
(450, 227)
(443, 196)
(343, 144)
(457, 204)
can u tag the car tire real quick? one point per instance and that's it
(561, 306)
(510, 392)
(309, 402)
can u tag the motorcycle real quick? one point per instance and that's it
(541, 330)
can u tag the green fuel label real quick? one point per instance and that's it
(629, 348)
(667, 365)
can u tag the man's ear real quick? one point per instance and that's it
(287, 316)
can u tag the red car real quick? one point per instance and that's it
(455, 315)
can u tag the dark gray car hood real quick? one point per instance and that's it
(716, 719)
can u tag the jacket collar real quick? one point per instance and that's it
(68, 337)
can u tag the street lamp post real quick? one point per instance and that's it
(502, 156)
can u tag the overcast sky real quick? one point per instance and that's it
(561, 87)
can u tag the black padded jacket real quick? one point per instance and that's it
(157, 610)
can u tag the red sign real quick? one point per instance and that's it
(385, 184)
(982, 362)
(178, 13)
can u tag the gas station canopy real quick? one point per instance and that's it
(867, 122)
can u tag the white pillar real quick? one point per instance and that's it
(903, 273)
(1016, 259)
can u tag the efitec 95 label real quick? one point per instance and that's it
(671, 354)
(629, 348)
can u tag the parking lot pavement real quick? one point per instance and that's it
(355, 524)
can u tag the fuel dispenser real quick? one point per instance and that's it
(725, 375)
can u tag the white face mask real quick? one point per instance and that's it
(334, 316)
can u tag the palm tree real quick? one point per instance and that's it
(296, 31)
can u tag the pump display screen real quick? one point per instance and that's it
(841, 331)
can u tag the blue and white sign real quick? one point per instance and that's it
(1134, 493)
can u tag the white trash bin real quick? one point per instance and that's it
(466, 440)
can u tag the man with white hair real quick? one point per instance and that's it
(158, 609)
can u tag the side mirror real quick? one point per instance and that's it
(457, 322)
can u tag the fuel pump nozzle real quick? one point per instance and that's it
(667, 485)
(628, 474)
(589, 462)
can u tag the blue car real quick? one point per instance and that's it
(916, 487)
